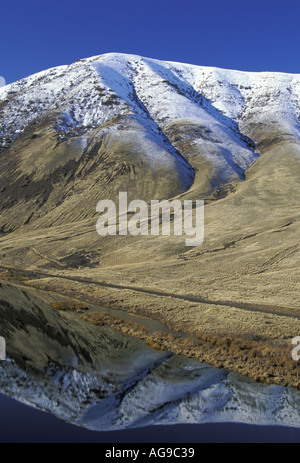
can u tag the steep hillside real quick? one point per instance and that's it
(74, 135)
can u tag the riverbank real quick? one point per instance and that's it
(260, 349)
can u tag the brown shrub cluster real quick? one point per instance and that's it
(71, 306)
(250, 357)
(106, 319)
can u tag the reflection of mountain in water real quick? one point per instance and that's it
(104, 380)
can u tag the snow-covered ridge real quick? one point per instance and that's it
(93, 91)
(124, 76)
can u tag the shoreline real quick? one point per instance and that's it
(262, 360)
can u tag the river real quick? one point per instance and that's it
(92, 383)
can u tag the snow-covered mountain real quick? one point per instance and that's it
(148, 127)
(93, 91)
(123, 122)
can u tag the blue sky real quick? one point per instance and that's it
(255, 36)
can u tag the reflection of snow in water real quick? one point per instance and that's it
(172, 390)
(103, 380)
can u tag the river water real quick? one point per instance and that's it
(21, 423)
(94, 384)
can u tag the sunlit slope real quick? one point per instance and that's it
(74, 135)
